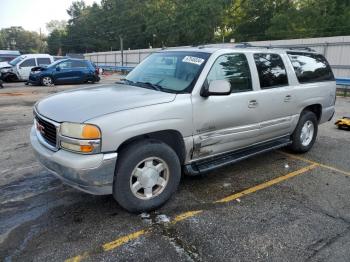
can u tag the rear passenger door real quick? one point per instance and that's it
(226, 123)
(276, 100)
(80, 71)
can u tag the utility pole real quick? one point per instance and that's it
(41, 41)
(121, 48)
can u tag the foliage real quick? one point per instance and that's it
(19, 39)
(158, 23)
(53, 25)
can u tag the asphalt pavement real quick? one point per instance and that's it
(273, 207)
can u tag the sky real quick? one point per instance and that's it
(34, 14)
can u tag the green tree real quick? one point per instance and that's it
(17, 38)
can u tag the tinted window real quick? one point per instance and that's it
(310, 67)
(28, 63)
(272, 72)
(43, 61)
(78, 64)
(233, 68)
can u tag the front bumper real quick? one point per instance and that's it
(89, 173)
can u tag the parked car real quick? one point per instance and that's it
(7, 55)
(19, 68)
(192, 109)
(65, 71)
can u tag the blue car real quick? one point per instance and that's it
(65, 71)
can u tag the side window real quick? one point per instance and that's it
(310, 67)
(65, 65)
(233, 68)
(43, 61)
(271, 70)
(78, 64)
(28, 63)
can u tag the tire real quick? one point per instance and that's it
(47, 81)
(146, 156)
(305, 133)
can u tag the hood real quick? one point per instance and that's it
(4, 64)
(83, 104)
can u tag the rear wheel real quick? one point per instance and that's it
(47, 81)
(305, 133)
(147, 174)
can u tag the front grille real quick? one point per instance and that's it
(47, 131)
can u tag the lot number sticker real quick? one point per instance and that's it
(193, 60)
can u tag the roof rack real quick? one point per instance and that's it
(248, 45)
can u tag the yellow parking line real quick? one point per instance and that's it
(78, 258)
(314, 162)
(125, 239)
(121, 241)
(185, 215)
(266, 184)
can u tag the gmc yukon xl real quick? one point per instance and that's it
(180, 111)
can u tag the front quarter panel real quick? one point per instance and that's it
(118, 127)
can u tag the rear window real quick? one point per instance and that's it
(43, 61)
(310, 67)
(271, 70)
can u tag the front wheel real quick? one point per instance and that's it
(47, 81)
(305, 133)
(147, 174)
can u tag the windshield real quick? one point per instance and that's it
(16, 60)
(172, 71)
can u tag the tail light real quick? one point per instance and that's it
(97, 70)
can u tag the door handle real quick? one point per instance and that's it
(287, 98)
(252, 103)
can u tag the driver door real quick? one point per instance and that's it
(64, 72)
(226, 123)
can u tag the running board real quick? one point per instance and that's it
(207, 165)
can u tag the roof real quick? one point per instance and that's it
(240, 47)
(36, 55)
(9, 52)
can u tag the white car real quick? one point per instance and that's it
(21, 66)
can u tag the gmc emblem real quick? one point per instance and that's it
(40, 128)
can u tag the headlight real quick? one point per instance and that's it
(80, 131)
(6, 70)
(83, 138)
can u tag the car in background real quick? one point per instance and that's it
(7, 55)
(20, 67)
(67, 71)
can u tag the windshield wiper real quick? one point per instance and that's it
(155, 86)
(149, 84)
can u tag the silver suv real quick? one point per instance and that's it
(190, 110)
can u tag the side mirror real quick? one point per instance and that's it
(216, 88)
(58, 68)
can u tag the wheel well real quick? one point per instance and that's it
(316, 109)
(172, 138)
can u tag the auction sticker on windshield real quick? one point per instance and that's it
(193, 60)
